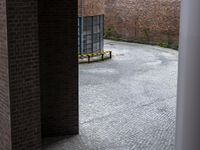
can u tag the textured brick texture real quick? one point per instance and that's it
(151, 21)
(33, 74)
(148, 21)
(91, 7)
(59, 66)
(5, 132)
(23, 48)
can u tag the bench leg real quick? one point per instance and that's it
(110, 54)
(88, 59)
(102, 57)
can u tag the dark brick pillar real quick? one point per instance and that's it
(59, 66)
(5, 124)
(22, 89)
(20, 119)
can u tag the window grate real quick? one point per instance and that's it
(93, 27)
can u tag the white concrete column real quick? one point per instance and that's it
(188, 105)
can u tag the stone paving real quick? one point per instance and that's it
(127, 103)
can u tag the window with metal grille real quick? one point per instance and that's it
(92, 34)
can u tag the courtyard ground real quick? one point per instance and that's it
(127, 103)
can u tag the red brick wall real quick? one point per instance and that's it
(148, 21)
(5, 130)
(91, 7)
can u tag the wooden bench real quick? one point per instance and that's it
(102, 54)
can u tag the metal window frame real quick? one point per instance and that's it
(90, 23)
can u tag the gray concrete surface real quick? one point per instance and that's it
(127, 103)
(188, 121)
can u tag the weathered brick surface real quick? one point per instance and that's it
(91, 7)
(5, 131)
(149, 21)
(59, 66)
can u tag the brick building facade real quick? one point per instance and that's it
(19, 76)
(38, 72)
(91, 7)
(23, 62)
(148, 21)
(90, 25)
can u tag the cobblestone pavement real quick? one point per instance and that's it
(127, 103)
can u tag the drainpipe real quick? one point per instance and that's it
(82, 24)
(188, 102)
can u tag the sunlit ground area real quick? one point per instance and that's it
(127, 103)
